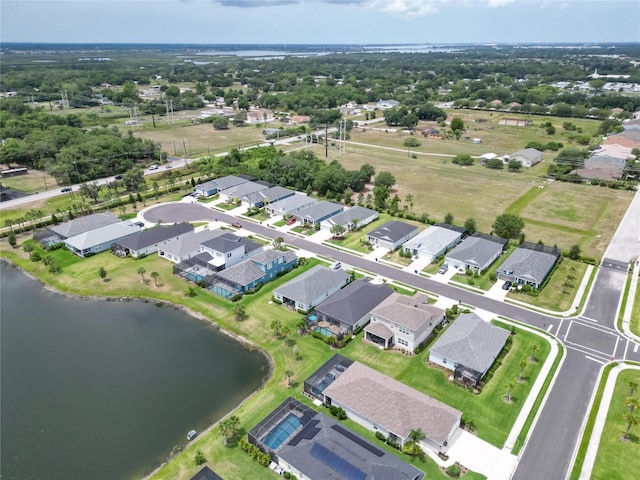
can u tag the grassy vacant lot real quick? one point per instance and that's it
(617, 459)
(32, 182)
(560, 291)
(491, 414)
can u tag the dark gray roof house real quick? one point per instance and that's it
(351, 306)
(477, 252)
(290, 205)
(317, 447)
(350, 218)
(228, 242)
(206, 474)
(214, 186)
(392, 234)
(318, 212)
(239, 191)
(530, 264)
(263, 197)
(311, 288)
(148, 241)
(468, 347)
(83, 224)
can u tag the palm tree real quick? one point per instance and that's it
(409, 200)
(142, 271)
(288, 374)
(523, 364)
(278, 242)
(417, 435)
(229, 428)
(632, 421)
(509, 387)
(155, 276)
(103, 273)
(276, 326)
(632, 403)
(633, 385)
(534, 349)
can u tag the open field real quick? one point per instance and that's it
(617, 459)
(33, 182)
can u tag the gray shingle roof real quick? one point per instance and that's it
(529, 264)
(354, 301)
(392, 231)
(227, 242)
(528, 153)
(292, 202)
(472, 342)
(190, 244)
(222, 182)
(391, 404)
(242, 189)
(477, 251)
(433, 240)
(108, 233)
(347, 216)
(312, 284)
(84, 224)
(411, 312)
(248, 271)
(318, 211)
(269, 195)
(155, 235)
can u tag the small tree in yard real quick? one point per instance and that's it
(239, 312)
(276, 327)
(12, 239)
(229, 428)
(199, 458)
(103, 273)
(141, 272)
(574, 252)
(453, 470)
(448, 219)
(470, 226)
(288, 374)
(534, 349)
(337, 231)
(523, 364)
(508, 225)
(514, 165)
(632, 421)
(509, 387)
(155, 276)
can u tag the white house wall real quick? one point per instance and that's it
(442, 361)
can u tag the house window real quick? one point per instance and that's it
(404, 330)
(228, 255)
(402, 341)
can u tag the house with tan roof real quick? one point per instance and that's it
(383, 404)
(403, 321)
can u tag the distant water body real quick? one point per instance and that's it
(93, 389)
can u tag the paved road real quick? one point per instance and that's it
(590, 340)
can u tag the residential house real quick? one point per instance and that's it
(495, 103)
(528, 156)
(403, 321)
(228, 249)
(382, 404)
(58, 233)
(299, 119)
(235, 193)
(316, 213)
(348, 309)
(212, 187)
(206, 473)
(259, 115)
(148, 241)
(313, 446)
(250, 273)
(100, 239)
(290, 205)
(529, 264)
(468, 348)
(476, 253)
(311, 288)
(432, 133)
(354, 217)
(384, 104)
(392, 234)
(434, 241)
(486, 157)
(514, 122)
(183, 248)
(267, 196)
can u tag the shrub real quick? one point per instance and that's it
(200, 458)
(35, 256)
(454, 470)
(380, 436)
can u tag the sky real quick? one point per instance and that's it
(320, 21)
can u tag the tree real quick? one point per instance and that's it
(632, 421)
(12, 239)
(385, 179)
(457, 124)
(199, 458)
(278, 243)
(380, 195)
(409, 200)
(411, 142)
(155, 276)
(470, 226)
(91, 190)
(220, 122)
(508, 225)
(276, 327)
(103, 273)
(239, 312)
(534, 349)
(337, 230)
(463, 159)
(495, 163)
(509, 387)
(523, 364)
(514, 165)
(133, 179)
(229, 428)
(141, 272)
(239, 118)
(448, 219)
(417, 435)
(632, 403)
(574, 252)
(288, 374)
(633, 385)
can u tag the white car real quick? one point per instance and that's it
(153, 167)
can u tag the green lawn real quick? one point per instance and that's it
(635, 313)
(560, 291)
(617, 459)
(492, 415)
(484, 281)
(280, 223)
(227, 206)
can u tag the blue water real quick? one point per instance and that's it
(313, 318)
(326, 381)
(324, 331)
(282, 431)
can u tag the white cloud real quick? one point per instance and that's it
(499, 3)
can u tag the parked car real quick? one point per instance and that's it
(336, 265)
(291, 221)
(443, 268)
(236, 224)
(507, 285)
(153, 167)
(65, 189)
(118, 177)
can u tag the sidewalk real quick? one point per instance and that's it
(601, 417)
(628, 309)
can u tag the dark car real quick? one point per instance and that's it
(118, 177)
(65, 189)
(507, 285)
(236, 224)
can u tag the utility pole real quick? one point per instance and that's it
(326, 140)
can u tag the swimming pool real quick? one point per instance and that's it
(312, 318)
(324, 331)
(282, 431)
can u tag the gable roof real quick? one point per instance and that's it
(472, 342)
(98, 236)
(530, 262)
(478, 250)
(319, 210)
(206, 474)
(392, 231)
(248, 271)
(227, 242)
(411, 312)
(312, 284)
(294, 201)
(434, 239)
(223, 182)
(155, 235)
(391, 404)
(350, 214)
(245, 188)
(83, 224)
(354, 301)
(191, 243)
(528, 153)
(268, 195)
